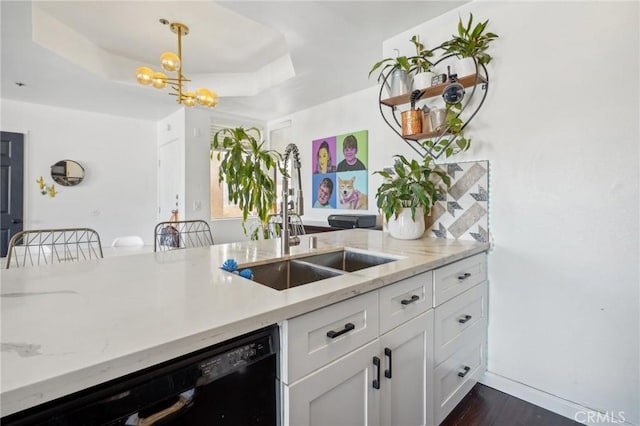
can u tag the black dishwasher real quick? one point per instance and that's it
(233, 383)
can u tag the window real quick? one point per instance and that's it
(221, 207)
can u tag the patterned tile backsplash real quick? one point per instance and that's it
(463, 212)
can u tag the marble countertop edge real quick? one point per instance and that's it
(19, 392)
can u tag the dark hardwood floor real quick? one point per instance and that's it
(485, 406)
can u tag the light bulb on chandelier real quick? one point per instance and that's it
(172, 62)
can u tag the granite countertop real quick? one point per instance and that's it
(70, 326)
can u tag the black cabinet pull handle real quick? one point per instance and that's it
(414, 298)
(387, 372)
(464, 373)
(464, 276)
(347, 327)
(464, 319)
(376, 363)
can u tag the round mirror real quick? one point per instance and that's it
(67, 173)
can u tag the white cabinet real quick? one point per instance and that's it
(406, 345)
(404, 300)
(455, 377)
(387, 357)
(460, 321)
(407, 383)
(377, 372)
(455, 278)
(319, 337)
(460, 331)
(340, 393)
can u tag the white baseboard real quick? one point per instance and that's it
(551, 402)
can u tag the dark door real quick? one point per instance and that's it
(12, 179)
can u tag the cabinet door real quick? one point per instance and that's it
(340, 393)
(407, 351)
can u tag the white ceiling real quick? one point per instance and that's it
(264, 58)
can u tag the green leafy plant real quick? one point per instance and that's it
(410, 184)
(400, 62)
(454, 141)
(246, 167)
(471, 41)
(417, 63)
(420, 62)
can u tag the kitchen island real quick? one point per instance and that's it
(71, 326)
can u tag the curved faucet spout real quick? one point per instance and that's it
(287, 240)
(289, 150)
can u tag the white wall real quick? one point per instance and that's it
(118, 195)
(560, 128)
(355, 112)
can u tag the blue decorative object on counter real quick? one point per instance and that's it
(247, 273)
(229, 265)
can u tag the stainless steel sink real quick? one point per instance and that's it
(348, 260)
(281, 274)
(284, 274)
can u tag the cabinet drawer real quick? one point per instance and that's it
(307, 338)
(404, 300)
(460, 321)
(455, 377)
(451, 280)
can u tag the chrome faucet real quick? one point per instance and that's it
(298, 206)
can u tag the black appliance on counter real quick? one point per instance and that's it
(233, 383)
(348, 221)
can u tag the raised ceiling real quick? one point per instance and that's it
(266, 59)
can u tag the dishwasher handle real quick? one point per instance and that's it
(183, 403)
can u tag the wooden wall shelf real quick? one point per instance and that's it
(391, 113)
(466, 81)
(427, 135)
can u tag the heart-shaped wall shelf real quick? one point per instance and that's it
(437, 141)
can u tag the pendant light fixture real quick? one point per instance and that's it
(172, 62)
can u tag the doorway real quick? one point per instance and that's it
(170, 180)
(11, 189)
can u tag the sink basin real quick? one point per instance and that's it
(284, 274)
(348, 260)
(281, 274)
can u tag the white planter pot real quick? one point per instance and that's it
(444, 66)
(455, 65)
(422, 80)
(465, 66)
(405, 228)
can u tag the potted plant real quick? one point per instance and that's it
(247, 169)
(471, 42)
(453, 140)
(407, 194)
(421, 65)
(398, 68)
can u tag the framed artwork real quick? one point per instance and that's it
(340, 171)
(324, 158)
(324, 191)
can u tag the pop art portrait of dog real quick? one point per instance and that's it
(349, 196)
